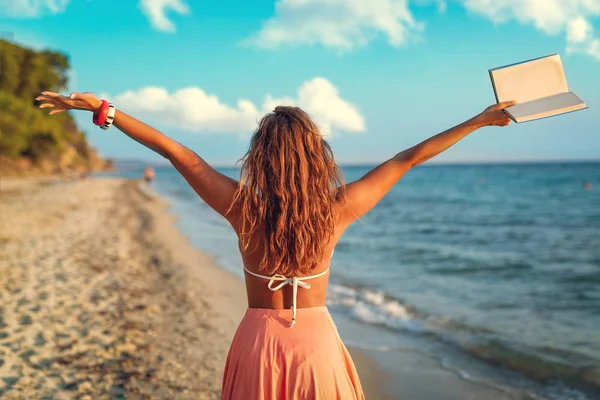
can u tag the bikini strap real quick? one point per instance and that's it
(293, 281)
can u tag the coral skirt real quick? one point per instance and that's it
(269, 360)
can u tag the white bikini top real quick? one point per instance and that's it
(293, 281)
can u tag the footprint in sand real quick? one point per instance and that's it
(25, 320)
(40, 340)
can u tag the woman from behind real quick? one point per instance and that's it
(290, 206)
(289, 210)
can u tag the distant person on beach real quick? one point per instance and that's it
(289, 209)
(148, 174)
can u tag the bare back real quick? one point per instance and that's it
(257, 289)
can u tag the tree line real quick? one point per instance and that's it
(26, 131)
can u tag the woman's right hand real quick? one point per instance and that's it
(77, 101)
(494, 115)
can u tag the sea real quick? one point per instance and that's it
(484, 267)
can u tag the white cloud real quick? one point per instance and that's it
(31, 8)
(580, 37)
(348, 24)
(339, 24)
(442, 6)
(550, 16)
(319, 98)
(195, 110)
(579, 30)
(156, 11)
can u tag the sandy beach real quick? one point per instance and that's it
(102, 297)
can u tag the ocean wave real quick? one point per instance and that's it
(543, 364)
(374, 307)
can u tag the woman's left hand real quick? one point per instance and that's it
(78, 101)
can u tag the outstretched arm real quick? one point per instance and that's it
(365, 193)
(216, 189)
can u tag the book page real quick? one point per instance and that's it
(551, 105)
(530, 80)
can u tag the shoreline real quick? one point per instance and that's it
(371, 375)
(408, 370)
(103, 296)
(381, 376)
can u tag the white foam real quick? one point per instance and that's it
(373, 307)
(376, 298)
(338, 289)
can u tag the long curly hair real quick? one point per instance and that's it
(289, 188)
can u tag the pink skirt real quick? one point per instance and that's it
(269, 360)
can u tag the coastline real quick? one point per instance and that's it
(229, 296)
(106, 297)
(406, 373)
(110, 298)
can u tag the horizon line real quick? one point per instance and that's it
(373, 163)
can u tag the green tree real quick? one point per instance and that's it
(26, 131)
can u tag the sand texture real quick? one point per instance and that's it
(94, 305)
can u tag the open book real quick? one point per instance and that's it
(538, 85)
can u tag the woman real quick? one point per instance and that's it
(289, 210)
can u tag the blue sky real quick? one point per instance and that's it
(378, 76)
